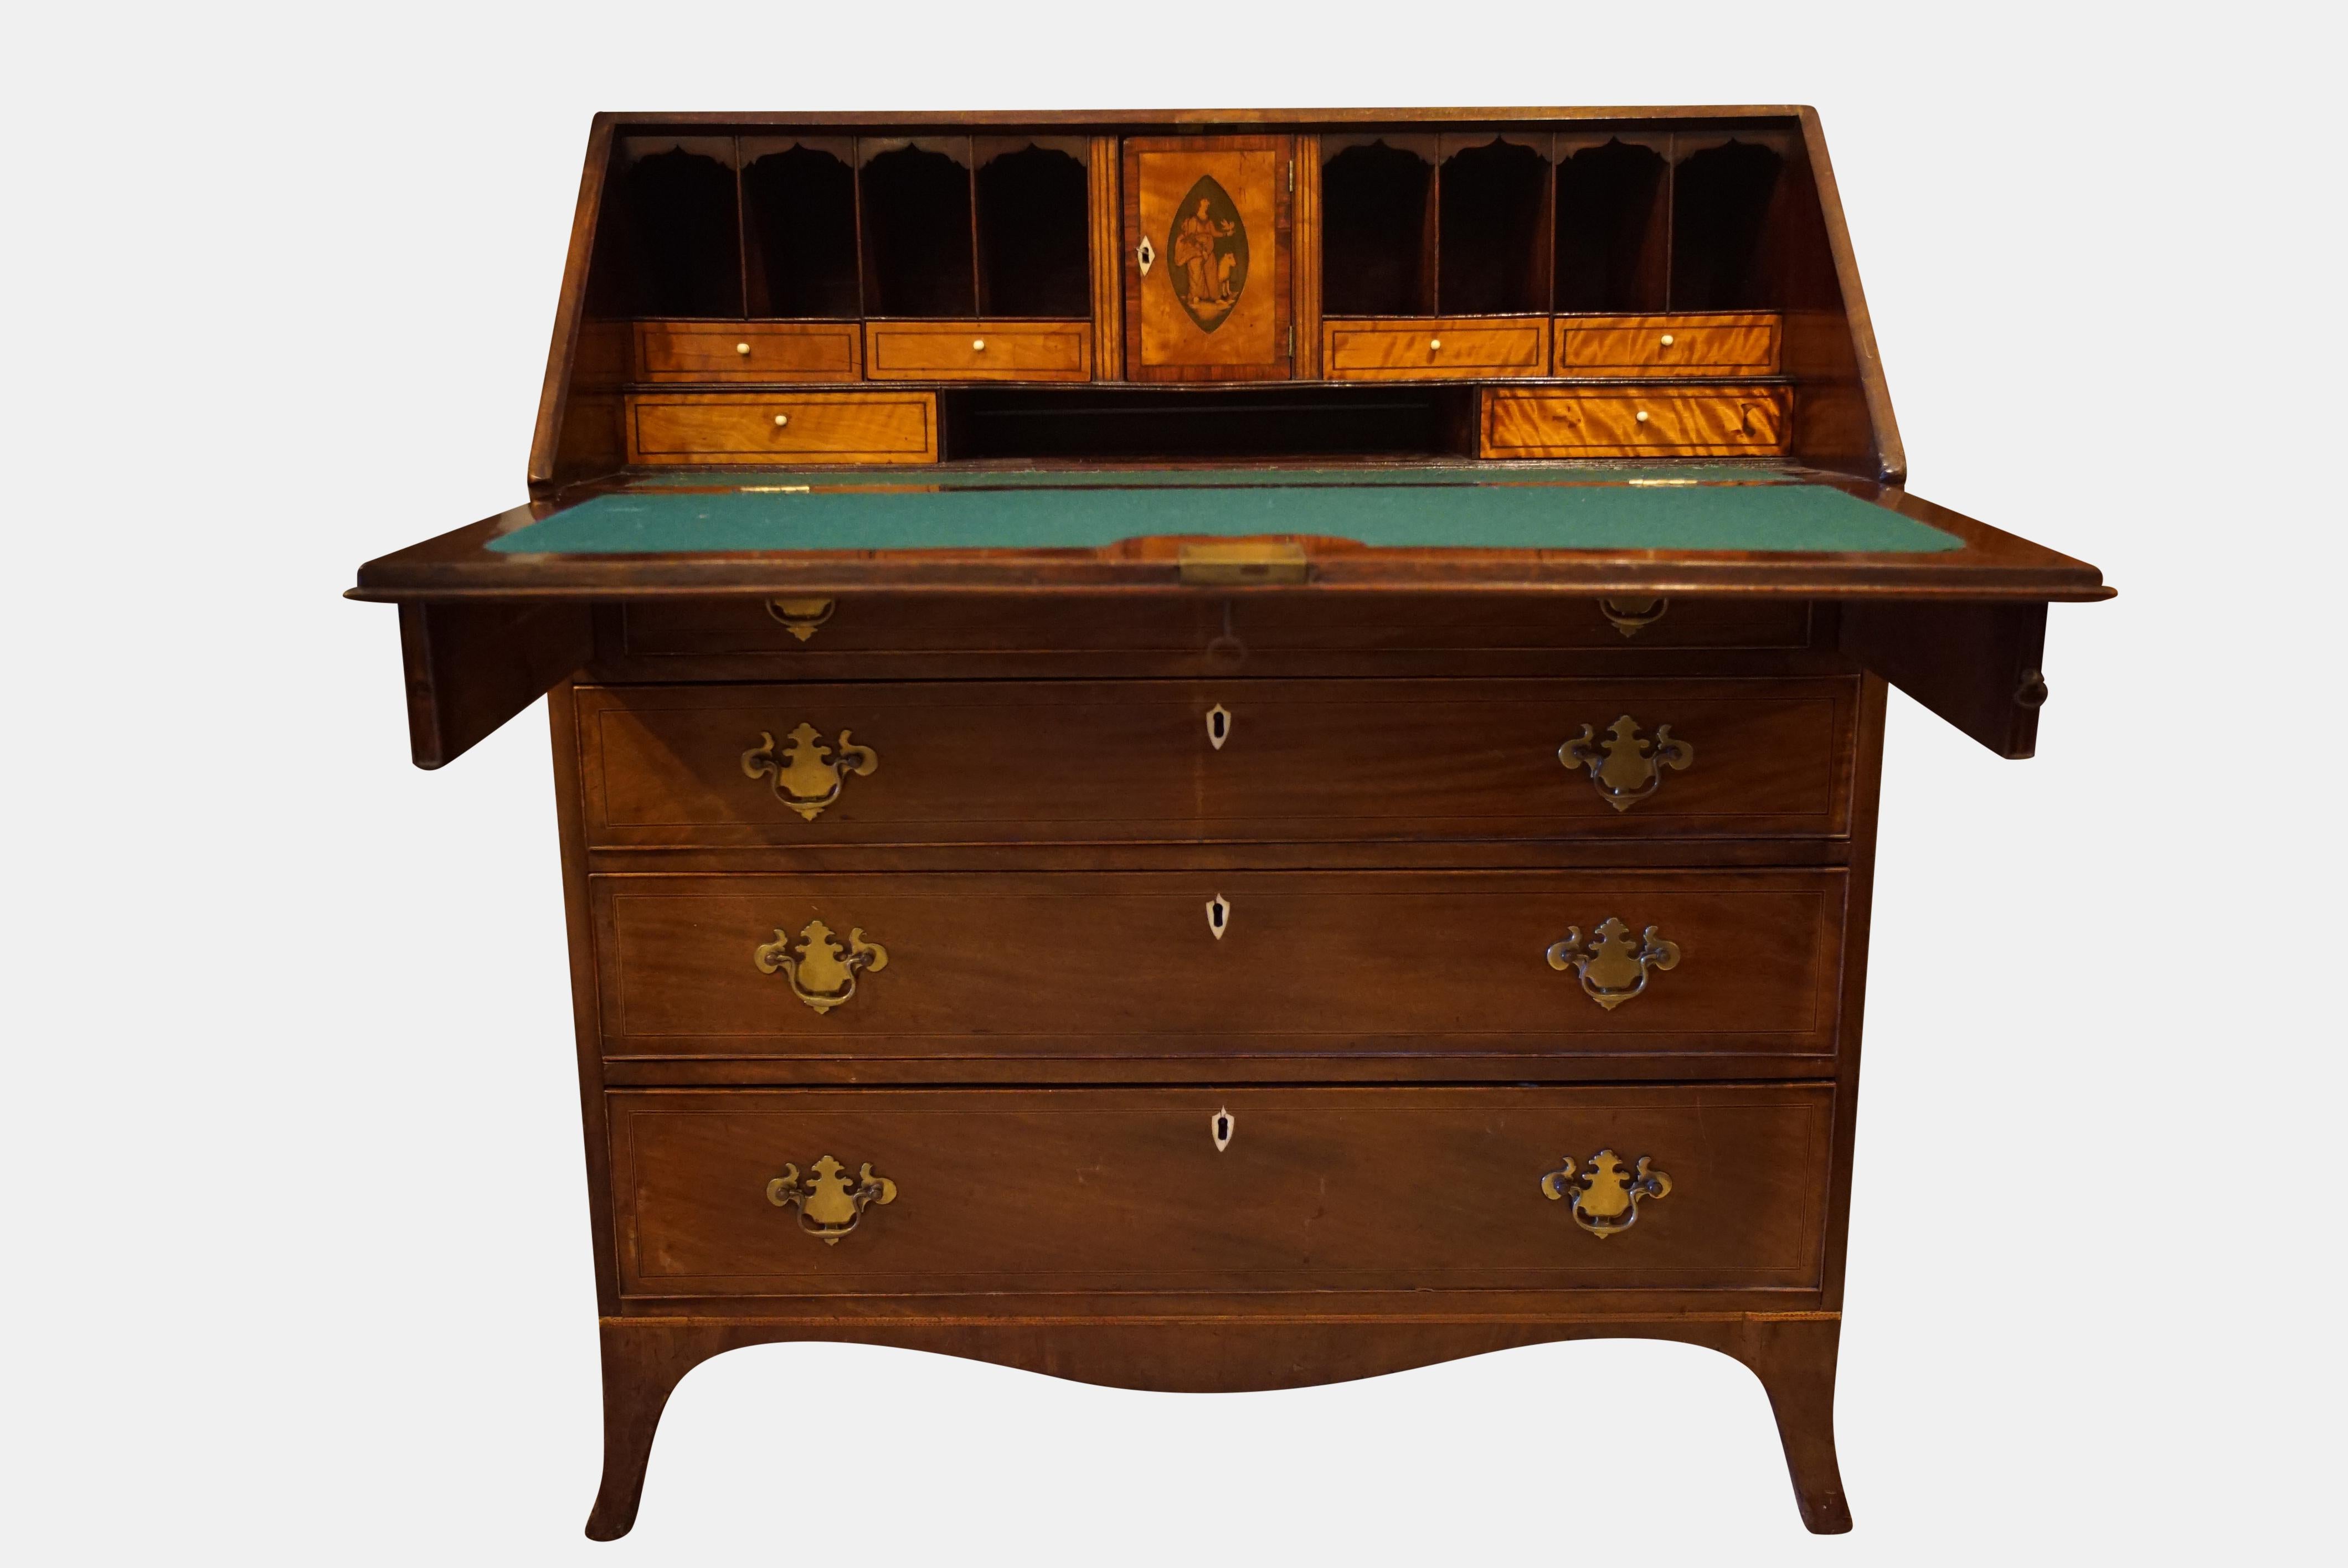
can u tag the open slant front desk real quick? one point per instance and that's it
(1216, 751)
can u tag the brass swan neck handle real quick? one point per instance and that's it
(807, 775)
(828, 1203)
(1605, 1197)
(1612, 968)
(1623, 769)
(821, 974)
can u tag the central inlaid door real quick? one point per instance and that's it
(1208, 257)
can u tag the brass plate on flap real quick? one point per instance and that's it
(1244, 561)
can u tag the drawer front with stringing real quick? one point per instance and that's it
(1678, 420)
(1743, 344)
(1435, 348)
(748, 351)
(731, 428)
(808, 1192)
(1207, 762)
(979, 351)
(1225, 630)
(1203, 965)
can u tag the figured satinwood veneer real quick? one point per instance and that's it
(1720, 345)
(741, 427)
(1434, 348)
(748, 350)
(1661, 420)
(978, 351)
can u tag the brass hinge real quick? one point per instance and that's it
(1242, 561)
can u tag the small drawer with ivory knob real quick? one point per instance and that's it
(978, 351)
(1738, 343)
(669, 352)
(1634, 421)
(720, 428)
(1434, 348)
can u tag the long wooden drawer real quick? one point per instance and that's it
(748, 350)
(800, 1193)
(1630, 421)
(1741, 342)
(1230, 630)
(1435, 348)
(979, 351)
(683, 428)
(1200, 965)
(1213, 762)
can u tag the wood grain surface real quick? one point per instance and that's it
(1671, 421)
(1434, 348)
(1319, 1189)
(1728, 343)
(672, 428)
(979, 351)
(1005, 965)
(1024, 762)
(779, 350)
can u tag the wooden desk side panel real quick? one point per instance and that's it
(586, 1002)
(1858, 912)
(547, 437)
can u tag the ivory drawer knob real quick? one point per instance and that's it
(1435, 344)
(978, 345)
(783, 419)
(1643, 416)
(743, 349)
(1667, 340)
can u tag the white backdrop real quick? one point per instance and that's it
(298, 1266)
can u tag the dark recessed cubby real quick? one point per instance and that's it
(675, 229)
(1491, 247)
(1613, 228)
(1033, 198)
(1722, 197)
(918, 254)
(1139, 424)
(1377, 238)
(799, 212)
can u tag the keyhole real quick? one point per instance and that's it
(1219, 915)
(1219, 726)
(1221, 1130)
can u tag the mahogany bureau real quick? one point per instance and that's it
(1218, 750)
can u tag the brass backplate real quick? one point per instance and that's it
(1237, 563)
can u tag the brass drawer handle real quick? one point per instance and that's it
(1630, 616)
(819, 974)
(808, 777)
(800, 616)
(1613, 969)
(1605, 1198)
(1622, 770)
(828, 1203)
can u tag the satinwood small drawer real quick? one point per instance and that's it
(1207, 762)
(1435, 348)
(748, 350)
(1123, 967)
(681, 428)
(1629, 421)
(1726, 344)
(810, 1194)
(979, 351)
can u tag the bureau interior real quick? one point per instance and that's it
(1592, 287)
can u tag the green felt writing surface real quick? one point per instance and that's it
(1722, 510)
